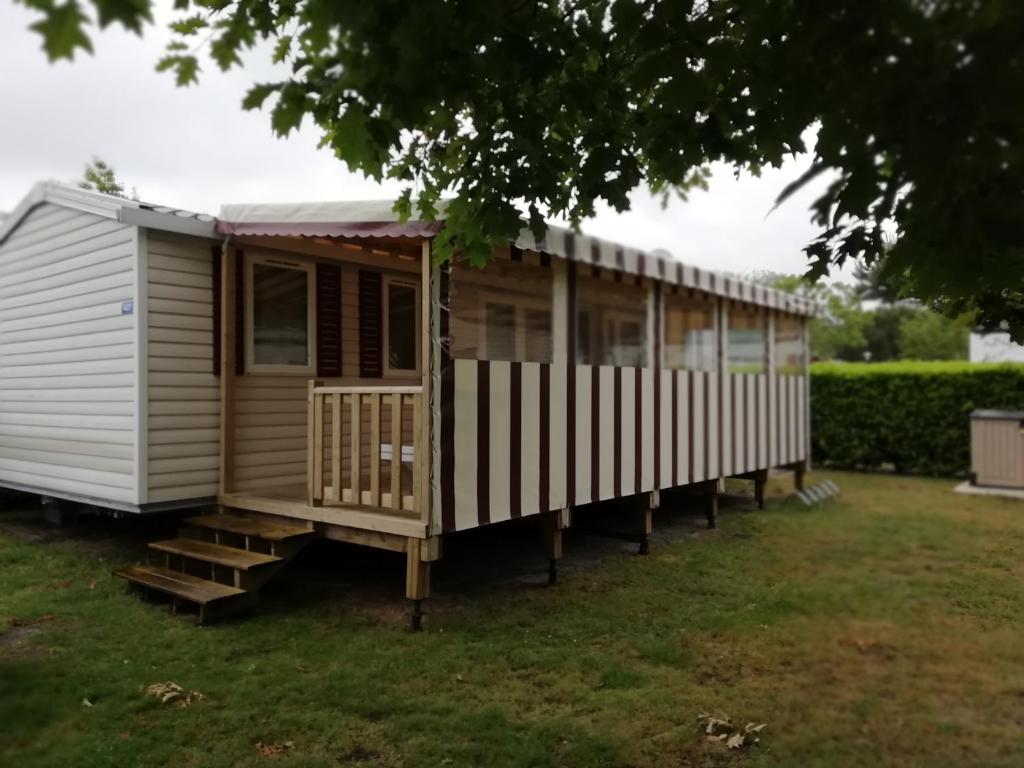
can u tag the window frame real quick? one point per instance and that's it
(387, 280)
(610, 342)
(520, 304)
(767, 328)
(688, 302)
(251, 366)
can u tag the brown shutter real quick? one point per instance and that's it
(371, 341)
(328, 320)
(239, 313)
(215, 253)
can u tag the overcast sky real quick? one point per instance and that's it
(195, 148)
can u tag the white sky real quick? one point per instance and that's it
(195, 148)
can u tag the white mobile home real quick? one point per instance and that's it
(309, 369)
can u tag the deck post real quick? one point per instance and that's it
(799, 473)
(418, 556)
(555, 522)
(228, 266)
(648, 502)
(760, 480)
(711, 505)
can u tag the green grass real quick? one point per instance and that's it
(882, 629)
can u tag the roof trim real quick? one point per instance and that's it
(130, 212)
(376, 218)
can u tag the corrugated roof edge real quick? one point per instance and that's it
(363, 218)
(133, 212)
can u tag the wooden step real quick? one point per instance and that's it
(218, 554)
(177, 584)
(249, 526)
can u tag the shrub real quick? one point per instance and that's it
(909, 416)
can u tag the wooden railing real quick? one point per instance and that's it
(366, 447)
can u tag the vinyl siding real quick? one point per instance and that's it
(183, 422)
(67, 356)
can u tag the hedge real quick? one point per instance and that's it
(911, 417)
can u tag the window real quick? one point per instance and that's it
(690, 333)
(503, 311)
(279, 316)
(611, 322)
(748, 340)
(789, 345)
(402, 327)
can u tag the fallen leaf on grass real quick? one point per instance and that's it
(172, 693)
(272, 750)
(721, 730)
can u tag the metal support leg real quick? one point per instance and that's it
(417, 580)
(712, 508)
(554, 523)
(799, 473)
(760, 480)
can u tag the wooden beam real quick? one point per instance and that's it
(228, 266)
(396, 451)
(424, 450)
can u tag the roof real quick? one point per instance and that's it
(377, 218)
(120, 209)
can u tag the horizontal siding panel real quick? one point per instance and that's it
(100, 337)
(71, 406)
(115, 451)
(67, 368)
(185, 322)
(184, 395)
(178, 479)
(111, 298)
(17, 256)
(193, 308)
(61, 459)
(177, 364)
(182, 493)
(77, 322)
(201, 281)
(183, 407)
(95, 395)
(94, 262)
(44, 297)
(79, 354)
(179, 450)
(182, 421)
(46, 482)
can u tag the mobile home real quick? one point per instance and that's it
(309, 369)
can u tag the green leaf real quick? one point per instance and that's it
(63, 31)
(258, 94)
(290, 109)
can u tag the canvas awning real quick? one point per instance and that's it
(377, 218)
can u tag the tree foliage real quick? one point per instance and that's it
(100, 177)
(553, 105)
(908, 417)
(847, 328)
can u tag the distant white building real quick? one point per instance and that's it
(995, 347)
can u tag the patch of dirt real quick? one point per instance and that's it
(20, 631)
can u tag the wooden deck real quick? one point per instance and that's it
(290, 501)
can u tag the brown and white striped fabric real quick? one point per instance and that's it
(509, 456)
(566, 244)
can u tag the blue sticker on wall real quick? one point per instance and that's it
(127, 307)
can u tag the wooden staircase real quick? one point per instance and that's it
(218, 562)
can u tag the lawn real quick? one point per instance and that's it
(885, 628)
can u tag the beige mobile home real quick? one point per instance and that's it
(311, 371)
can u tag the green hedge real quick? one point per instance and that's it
(911, 416)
